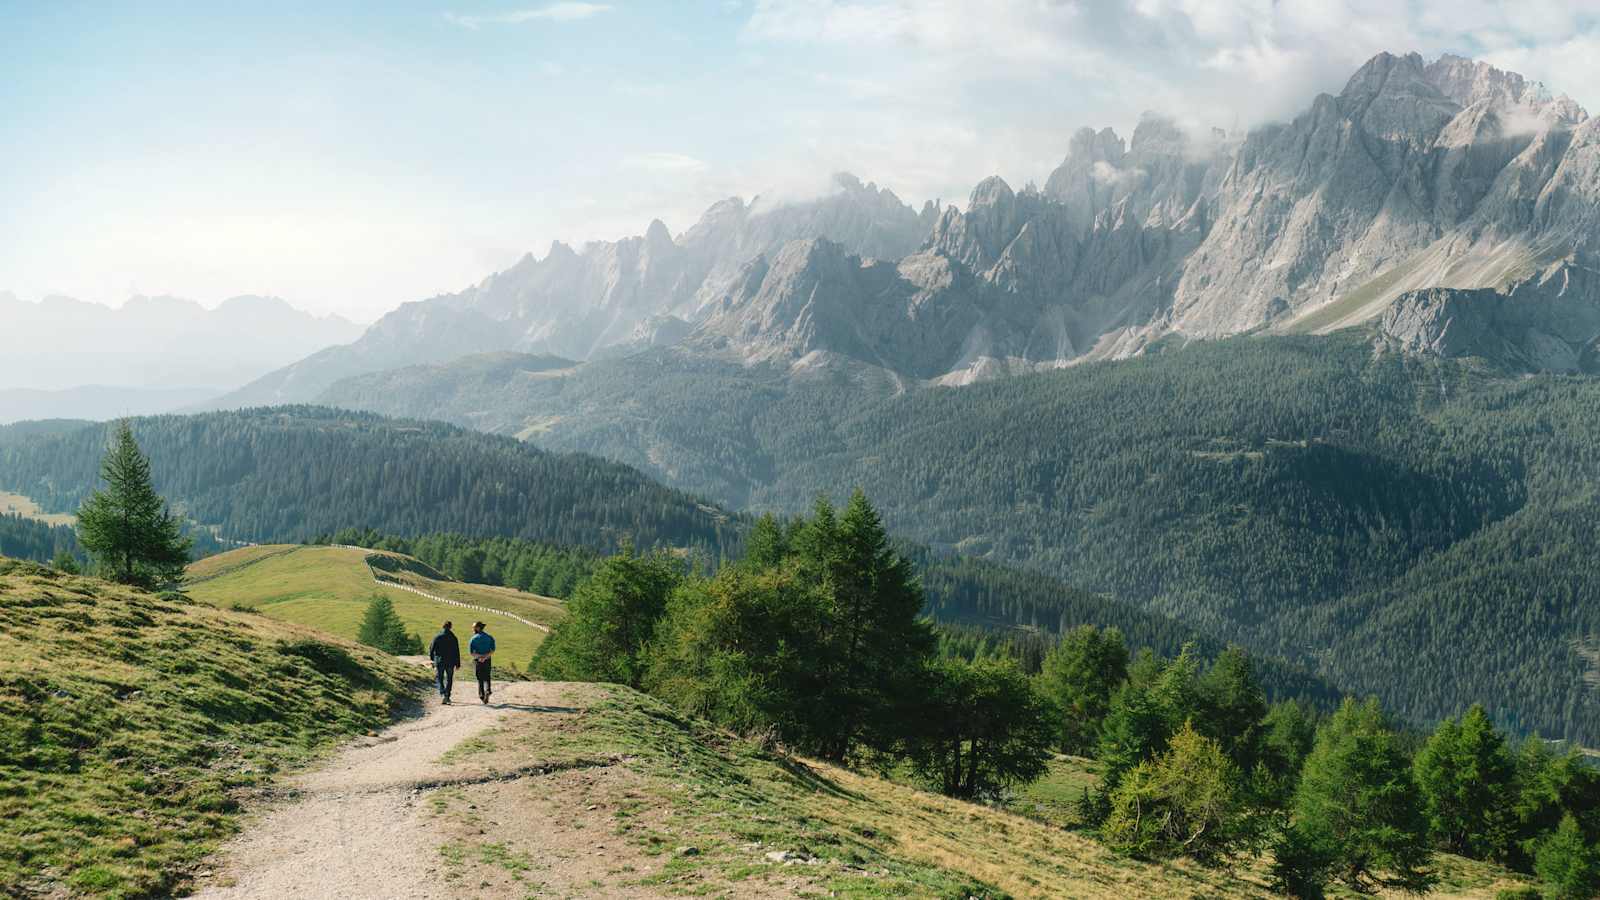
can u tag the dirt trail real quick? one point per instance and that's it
(363, 824)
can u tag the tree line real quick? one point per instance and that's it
(815, 640)
(531, 566)
(1418, 529)
(292, 473)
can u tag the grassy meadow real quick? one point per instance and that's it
(131, 726)
(328, 588)
(16, 504)
(846, 833)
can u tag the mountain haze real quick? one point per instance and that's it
(610, 297)
(1417, 176)
(150, 354)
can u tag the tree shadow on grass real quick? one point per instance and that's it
(807, 778)
(525, 707)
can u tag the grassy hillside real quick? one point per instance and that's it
(130, 725)
(700, 813)
(328, 588)
(1415, 528)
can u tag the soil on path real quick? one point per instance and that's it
(390, 817)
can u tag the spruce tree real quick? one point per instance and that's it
(128, 527)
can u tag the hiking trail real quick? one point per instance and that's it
(394, 816)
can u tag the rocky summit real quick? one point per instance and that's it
(1417, 177)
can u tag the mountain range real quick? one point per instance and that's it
(1418, 177)
(150, 354)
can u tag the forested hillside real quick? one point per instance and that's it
(1415, 527)
(22, 538)
(295, 472)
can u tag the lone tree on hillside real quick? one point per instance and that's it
(128, 527)
(382, 627)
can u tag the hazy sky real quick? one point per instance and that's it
(350, 157)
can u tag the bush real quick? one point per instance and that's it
(1185, 802)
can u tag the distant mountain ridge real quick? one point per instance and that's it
(612, 296)
(1418, 175)
(152, 343)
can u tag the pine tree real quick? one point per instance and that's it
(1568, 864)
(1357, 810)
(128, 527)
(1233, 705)
(1468, 781)
(382, 627)
(875, 643)
(1079, 675)
(610, 620)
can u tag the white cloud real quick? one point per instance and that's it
(664, 162)
(552, 12)
(1023, 74)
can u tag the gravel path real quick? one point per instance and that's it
(360, 825)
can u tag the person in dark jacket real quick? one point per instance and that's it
(482, 649)
(446, 655)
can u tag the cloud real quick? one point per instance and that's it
(1021, 75)
(664, 162)
(551, 12)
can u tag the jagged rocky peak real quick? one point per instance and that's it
(657, 233)
(1468, 81)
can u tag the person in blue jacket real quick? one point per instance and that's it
(482, 648)
(446, 655)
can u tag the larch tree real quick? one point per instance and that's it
(128, 527)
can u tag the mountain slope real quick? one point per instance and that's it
(1417, 176)
(328, 588)
(609, 296)
(293, 473)
(1403, 525)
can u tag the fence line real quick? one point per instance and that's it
(435, 597)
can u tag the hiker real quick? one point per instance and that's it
(482, 648)
(446, 655)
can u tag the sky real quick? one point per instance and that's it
(353, 156)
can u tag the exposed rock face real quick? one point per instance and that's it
(1550, 323)
(1451, 174)
(609, 296)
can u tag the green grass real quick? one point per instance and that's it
(698, 787)
(1353, 301)
(131, 725)
(328, 588)
(1054, 798)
